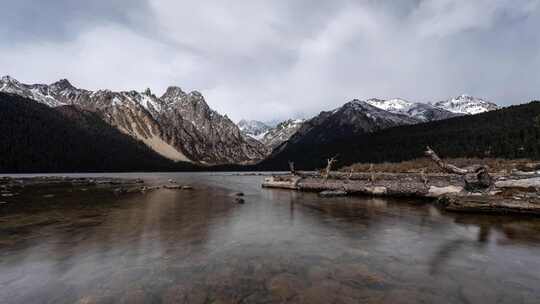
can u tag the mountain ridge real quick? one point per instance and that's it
(179, 126)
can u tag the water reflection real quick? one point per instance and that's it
(281, 246)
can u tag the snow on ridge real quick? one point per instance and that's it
(391, 105)
(466, 104)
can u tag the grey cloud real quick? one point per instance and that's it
(24, 20)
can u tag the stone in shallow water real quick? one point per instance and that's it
(185, 294)
(86, 300)
(359, 273)
(324, 291)
(172, 187)
(317, 273)
(136, 296)
(285, 286)
(332, 193)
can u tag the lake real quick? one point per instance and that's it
(201, 246)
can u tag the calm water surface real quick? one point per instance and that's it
(199, 246)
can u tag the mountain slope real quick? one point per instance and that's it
(420, 111)
(202, 133)
(38, 138)
(179, 126)
(466, 104)
(281, 132)
(353, 118)
(253, 128)
(516, 134)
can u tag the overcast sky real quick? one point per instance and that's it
(280, 58)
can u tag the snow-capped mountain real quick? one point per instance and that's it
(253, 128)
(353, 118)
(421, 111)
(177, 125)
(466, 104)
(395, 105)
(281, 133)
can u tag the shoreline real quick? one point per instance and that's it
(509, 193)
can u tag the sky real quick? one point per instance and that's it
(278, 59)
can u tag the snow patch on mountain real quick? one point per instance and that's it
(281, 132)
(253, 128)
(466, 104)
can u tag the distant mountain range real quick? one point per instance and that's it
(181, 126)
(178, 125)
(360, 116)
(511, 132)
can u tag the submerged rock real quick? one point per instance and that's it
(172, 187)
(118, 191)
(332, 193)
(285, 286)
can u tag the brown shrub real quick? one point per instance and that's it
(428, 166)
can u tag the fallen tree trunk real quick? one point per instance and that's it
(387, 184)
(509, 194)
(476, 177)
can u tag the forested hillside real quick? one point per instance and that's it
(37, 138)
(512, 132)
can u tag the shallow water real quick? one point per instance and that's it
(199, 246)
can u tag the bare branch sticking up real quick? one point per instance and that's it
(291, 168)
(329, 164)
(446, 167)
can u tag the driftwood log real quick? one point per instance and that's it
(470, 189)
(476, 177)
(508, 194)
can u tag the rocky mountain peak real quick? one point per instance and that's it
(173, 94)
(196, 94)
(466, 104)
(8, 79)
(62, 84)
(421, 111)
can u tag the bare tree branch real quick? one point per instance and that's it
(446, 167)
(291, 168)
(329, 164)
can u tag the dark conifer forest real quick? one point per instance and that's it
(37, 138)
(512, 132)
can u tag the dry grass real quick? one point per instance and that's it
(428, 166)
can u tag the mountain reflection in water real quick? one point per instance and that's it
(199, 246)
